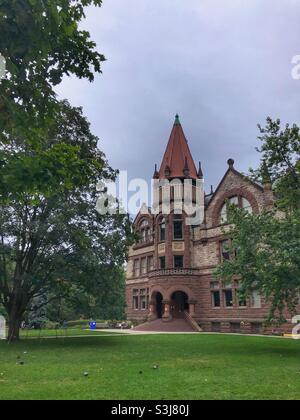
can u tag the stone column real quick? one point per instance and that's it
(152, 311)
(245, 327)
(167, 312)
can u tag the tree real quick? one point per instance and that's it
(267, 245)
(55, 242)
(103, 299)
(41, 42)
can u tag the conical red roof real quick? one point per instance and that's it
(178, 161)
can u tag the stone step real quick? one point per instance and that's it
(176, 325)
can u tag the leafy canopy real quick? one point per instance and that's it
(267, 245)
(41, 42)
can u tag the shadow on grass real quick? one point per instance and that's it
(194, 345)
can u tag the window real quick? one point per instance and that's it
(135, 299)
(178, 228)
(238, 201)
(235, 327)
(225, 250)
(246, 205)
(162, 263)
(256, 299)
(145, 231)
(178, 261)
(241, 298)
(140, 299)
(216, 299)
(223, 216)
(150, 264)
(216, 294)
(143, 299)
(144, 266)
(216, 327)
(228, 298)
(162, 230)
(136, 268)
(256, 328)
(224, 211)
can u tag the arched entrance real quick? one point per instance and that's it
(179, 304)
(157, 299)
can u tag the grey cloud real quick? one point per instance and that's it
(224, 66)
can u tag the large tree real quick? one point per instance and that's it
(54, 242)
(267, 246)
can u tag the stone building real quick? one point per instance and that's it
(170, 270)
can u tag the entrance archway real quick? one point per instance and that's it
(159, 307)
(179, 304)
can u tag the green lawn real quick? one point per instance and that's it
(70, 332)
(121, 367)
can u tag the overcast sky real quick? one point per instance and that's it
(224, 66)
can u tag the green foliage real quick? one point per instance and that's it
(267, 245)
(56, 245)
(280, 162)
(41, 42)
(53, 244)
(100, 297)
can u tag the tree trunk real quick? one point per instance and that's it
(14, 326)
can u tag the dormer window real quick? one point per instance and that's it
(145, 231)
(238, 201)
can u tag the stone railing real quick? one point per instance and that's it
(193, 323)
(174, 272)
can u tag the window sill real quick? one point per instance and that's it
(143, 245)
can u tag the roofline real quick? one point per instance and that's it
(245, 178)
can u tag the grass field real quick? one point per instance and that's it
(121, 367)
(61, 333)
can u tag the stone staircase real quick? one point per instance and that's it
(176, 325)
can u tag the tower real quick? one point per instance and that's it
(172, 233)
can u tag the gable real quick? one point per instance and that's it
(234, 183)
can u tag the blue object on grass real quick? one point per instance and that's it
(93, 325)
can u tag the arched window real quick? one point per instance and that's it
(238, 201)
(162, 230)
(246, 205)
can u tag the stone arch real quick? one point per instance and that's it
(157, 304)
(180, 288)
(228, 194)
(158, 289)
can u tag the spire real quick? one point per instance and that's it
(156, 173)
(200, 172)
(266, 176)
(178, 161)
